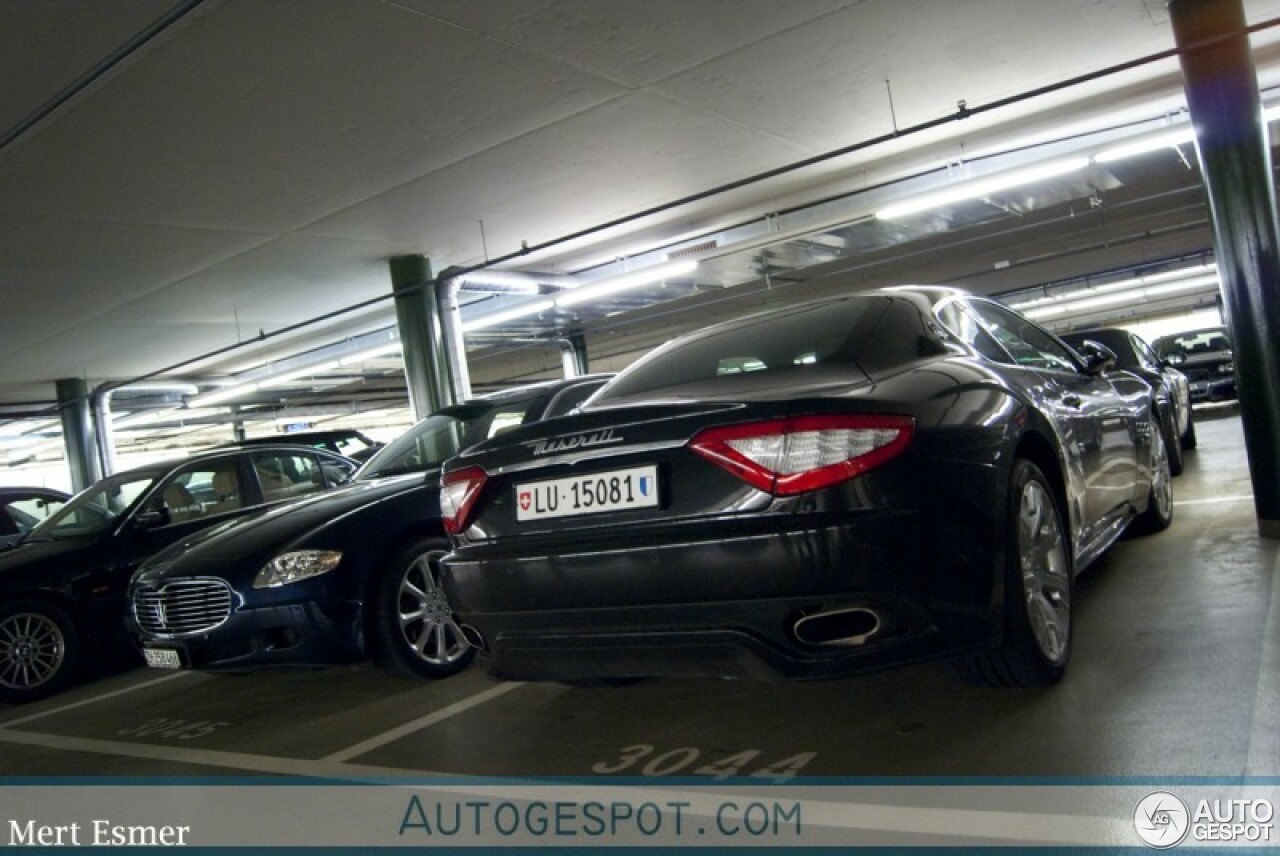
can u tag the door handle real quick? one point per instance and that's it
(1072, 400)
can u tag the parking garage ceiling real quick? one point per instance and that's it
(179, 178)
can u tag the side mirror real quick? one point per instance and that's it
(1097, 358)
(152, 518)
(1177, 359)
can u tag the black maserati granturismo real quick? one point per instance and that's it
(817, 490)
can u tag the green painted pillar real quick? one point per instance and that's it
(74, 409)
(418, 316)
(1235, 160)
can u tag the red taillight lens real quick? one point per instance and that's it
(458, 493)
(803, 453)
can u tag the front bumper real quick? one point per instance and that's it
(304, 634)
(727, 604)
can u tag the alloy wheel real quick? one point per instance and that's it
(426, 620)
(1046, 582)
(32, 650)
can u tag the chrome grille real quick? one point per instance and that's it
(182, 607)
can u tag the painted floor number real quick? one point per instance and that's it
(744, 763)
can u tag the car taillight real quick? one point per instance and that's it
(458, 493)
(789, 456)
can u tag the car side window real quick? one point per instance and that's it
(1029, 345)
(285, 475)
(21, 515)
(966, 328)
(201, 491)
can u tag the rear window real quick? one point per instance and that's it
(798, 341)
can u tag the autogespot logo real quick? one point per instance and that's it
(1161, 819)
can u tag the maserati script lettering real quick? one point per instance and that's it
(576, 441)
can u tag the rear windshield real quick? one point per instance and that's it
(800, 341)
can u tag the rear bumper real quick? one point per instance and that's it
(307, 634)
(729, 605)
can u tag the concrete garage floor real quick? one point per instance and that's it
(1174, 673)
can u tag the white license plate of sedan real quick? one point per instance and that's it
(162, 658)
(598, 493)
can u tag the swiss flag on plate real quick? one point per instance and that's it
(526, 499)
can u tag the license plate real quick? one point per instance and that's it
(162, 658)
(616, 490)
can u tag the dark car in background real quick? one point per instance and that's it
(339, 578)
(1172, 390)
(343, 441)
(63, 587)
(1205, 357)
(21, 508)
(812, 491)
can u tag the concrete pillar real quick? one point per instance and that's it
(77, 432)
(1235, 160)
(421, 325)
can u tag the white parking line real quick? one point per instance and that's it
(92, 700)
(424, 722)
(1217, 500)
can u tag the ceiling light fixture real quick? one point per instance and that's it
(1164, 140)
(288, 378)
(1120, 285)
(221, 395)
(980, 187)
(1133, 295)
(493, 319)
(634, 279)
(371, 354)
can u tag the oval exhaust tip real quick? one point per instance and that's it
(839, 627)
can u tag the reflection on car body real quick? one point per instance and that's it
(337, 578)
(1172, 391)
(841, 486)
(63, 586)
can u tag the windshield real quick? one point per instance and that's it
(427, 445)
(96, 509)
(795, 343)
(1194, 342)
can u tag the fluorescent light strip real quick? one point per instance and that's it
(372, 353)
(981, 187)
(221, 395)
(495, 318)
(289, 377)
(613, 285)
(1163, 140)
(1090, 291)
(1112, 299)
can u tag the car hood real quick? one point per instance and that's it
(29, 555)
(267, 533)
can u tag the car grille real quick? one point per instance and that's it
(182, 607)
(1196, 374)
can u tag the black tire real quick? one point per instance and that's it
(412, 630)
(1159, 513)
(39, 651)
(1038, 576)
(1172, 445)
(1189, 436)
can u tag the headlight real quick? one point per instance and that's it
(296, 566)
